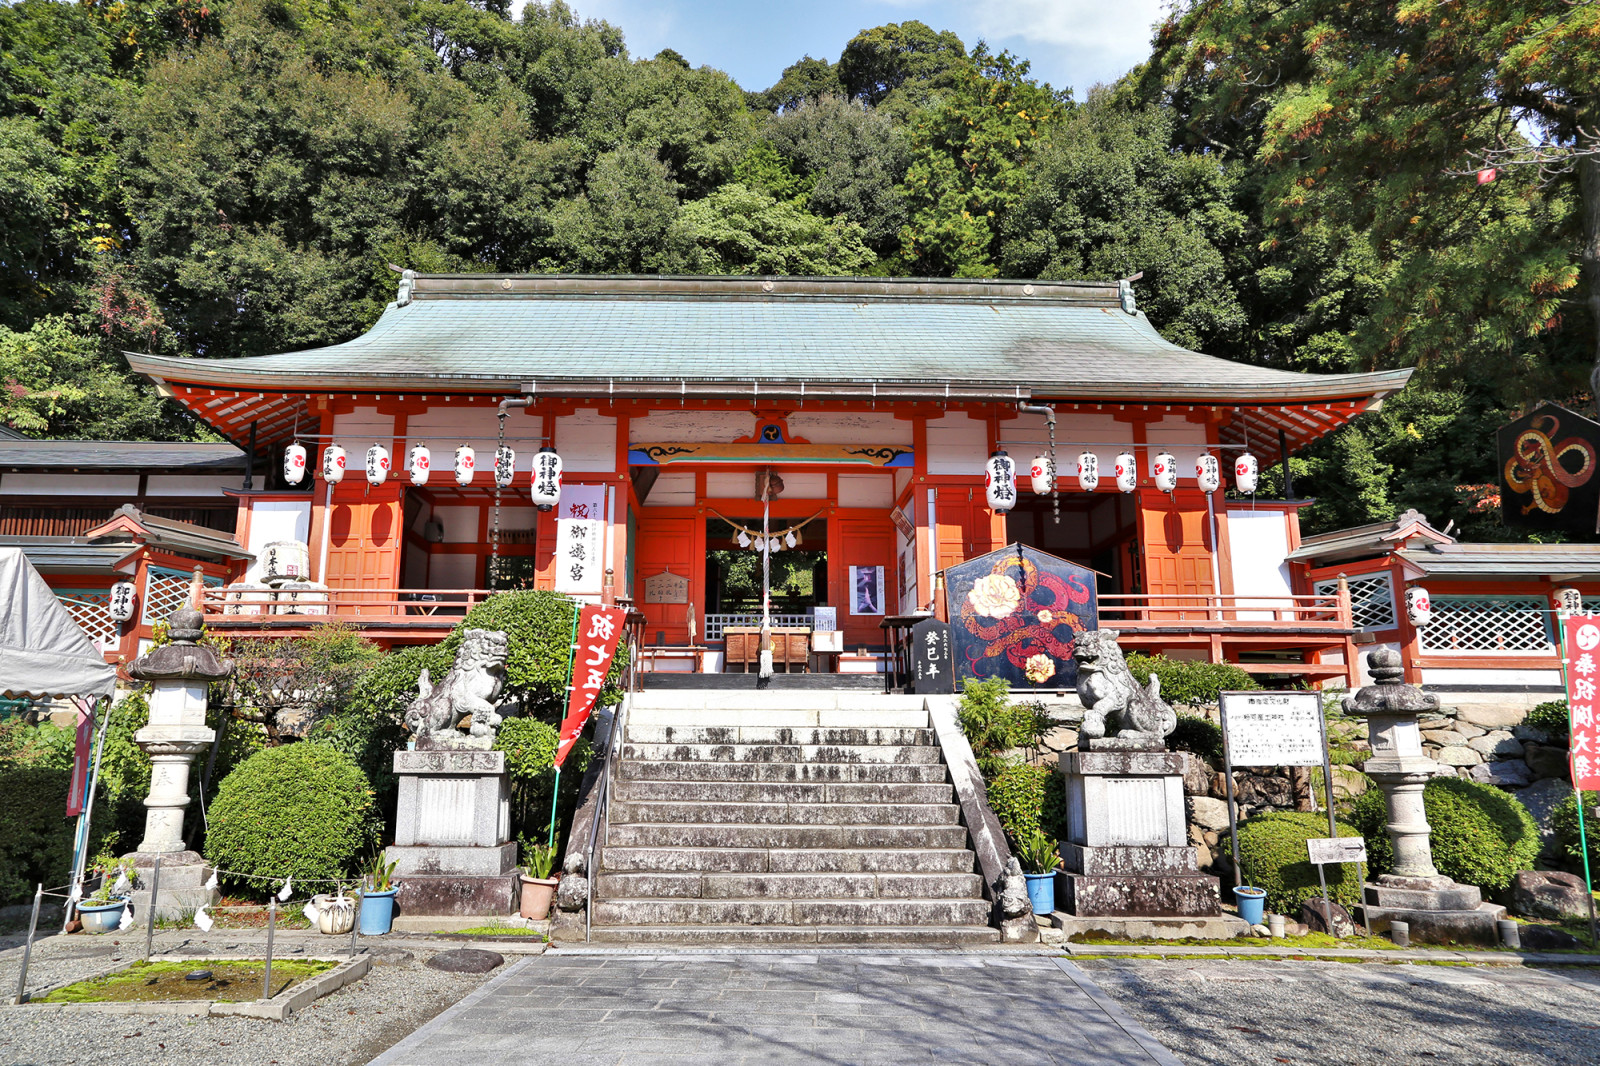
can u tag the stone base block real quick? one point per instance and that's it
(1219, 927)
(1129, 859)
(1448, 896)
(1138, 896)
(453, 894)
(454, 861)
(1476, 926)
(182, 890)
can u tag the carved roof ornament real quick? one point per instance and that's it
(184, 659)
(1389, 694)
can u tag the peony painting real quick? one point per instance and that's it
(1015, 614)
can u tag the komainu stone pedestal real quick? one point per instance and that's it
(1127, 851)
(451, 846)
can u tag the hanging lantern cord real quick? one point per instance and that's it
(1055, 476)
(494, 529)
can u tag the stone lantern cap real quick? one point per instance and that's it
(183, 659)
(1389, 695)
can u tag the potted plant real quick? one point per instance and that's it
(336, 915)
(1252, 903)
(377, 901)
(102, 912)
(1039, 859)
(538, 887)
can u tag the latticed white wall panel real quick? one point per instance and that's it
(1371, 599)
(166, 590)
(716, 623)
(1489, 625)
(91, 609)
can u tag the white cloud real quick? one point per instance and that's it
(1120, 27)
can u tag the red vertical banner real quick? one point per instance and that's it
(1583, 675)
(599, 633)
(82, 746)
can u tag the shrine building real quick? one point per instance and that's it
(847, 424)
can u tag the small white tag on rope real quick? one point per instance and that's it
(310, 911)
(123, 885)
(202, 920)
(211, 882)
(76, 893)
(127, 919)
(286, 890)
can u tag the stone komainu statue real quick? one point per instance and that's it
(1105, 687)
(470, 687)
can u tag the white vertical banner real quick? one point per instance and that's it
(580, 540)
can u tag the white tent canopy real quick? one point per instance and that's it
(43, 653)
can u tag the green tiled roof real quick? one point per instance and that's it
(554, 333)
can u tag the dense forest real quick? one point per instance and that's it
(1319, 185)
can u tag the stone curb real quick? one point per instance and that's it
(1485, 958)
(305, 993)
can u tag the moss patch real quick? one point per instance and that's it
(499, 930)
(166, 982)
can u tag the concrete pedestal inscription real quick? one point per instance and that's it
(452, 850)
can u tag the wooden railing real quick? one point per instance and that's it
(1133, 612)
(269, 609)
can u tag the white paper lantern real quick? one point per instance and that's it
(1568, 600)
(121, 608)
(1088, 471)
(294, 463)
(1164, 471)
(1000, 482)
(1127, 472)
(377, 464)
(418, 462)
(1208, 472)
(546, 478)
(333, 460)
(1419, 608)
(1042, 474)
(1246, 473)
(466, 465)
(505, 466)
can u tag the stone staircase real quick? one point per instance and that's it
(784, 818)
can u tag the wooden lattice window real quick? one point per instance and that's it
(1371, 599)
(1489, 625)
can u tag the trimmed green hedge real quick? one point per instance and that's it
(1552, 718)
(1027, 799)
(35, 833)
(1564, 823)
(1197, 734)
(1272, 855)
(1480, 835)
(301, 809)
(1188, 681)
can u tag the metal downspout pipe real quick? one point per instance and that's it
(1050, 422)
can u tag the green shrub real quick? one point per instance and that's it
(530, 747)
(35, 833)
(1551, 718)
(1564, 824)
(1027, 799)
(42, 746)
(993, 724)
(1272, 855)
(1189, 681)
(539, 628)
(1197, 734)
(1480, 835)
(300, 809)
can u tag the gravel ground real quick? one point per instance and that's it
(1243, 1013)
(351, 1025)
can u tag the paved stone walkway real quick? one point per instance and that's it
(845, 1009)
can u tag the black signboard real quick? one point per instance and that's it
(1015, 613)
(932, 661)
(1548, 478)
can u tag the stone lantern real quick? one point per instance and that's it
(1437, 908)
(179, 674)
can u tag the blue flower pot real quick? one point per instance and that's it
(377, 912)
(1252, 903)
(101, 917)
(1042, 892)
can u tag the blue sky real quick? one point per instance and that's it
(1071, 42)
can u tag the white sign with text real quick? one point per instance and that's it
(1273, 728)
(1324, 850)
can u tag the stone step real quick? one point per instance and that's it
(792, 860)
(772, 936)
(819, 753)
(793, 814)
(900, 912)
(723, 835)
(774, 717)
(756, 701)
(787, 886)
(885, 773)
(697, 734)
(780, 792)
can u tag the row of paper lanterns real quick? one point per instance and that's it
(545, 482)
(1000, 479)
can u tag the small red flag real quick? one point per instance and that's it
(83, 743)
(1487, 174)
(1583, 675)
(599, 632)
